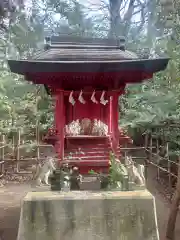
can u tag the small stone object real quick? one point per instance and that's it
(86, 126)
(104, 182)
(65, 168)
(65, 176)
(66, 184)
(55, 180)
(75, 179)
(65, 171)
(125, 183)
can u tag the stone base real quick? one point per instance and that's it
(88, 216)
(90, 184)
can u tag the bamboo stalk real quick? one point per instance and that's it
(147, 157)
(37, 125)
(23, 159)
(125, 153)
(18, 153)
(169, 166)
(151, 147)
(4, 146)
(136, 148)
(2, 154)
(137, 157)
(158, 158)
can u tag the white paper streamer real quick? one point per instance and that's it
(102, 100)
(71, 99)
(93, 99)
(81, 99)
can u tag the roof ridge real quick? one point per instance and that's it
(81, 42)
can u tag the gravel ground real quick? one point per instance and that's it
(12, 194)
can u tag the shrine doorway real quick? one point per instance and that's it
(88, 110)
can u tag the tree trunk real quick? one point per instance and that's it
(114, 9)
(119, 25)
(151, 28)
(174, 210)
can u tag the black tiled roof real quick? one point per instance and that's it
(84, 49)
(83, 55)
(65, 54)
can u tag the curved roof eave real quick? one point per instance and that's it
(24, 67)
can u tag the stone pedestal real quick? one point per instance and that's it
(88, 216)
(90, 184)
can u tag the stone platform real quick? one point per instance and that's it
(88, 216)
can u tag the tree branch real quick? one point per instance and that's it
(128, 16)
(115, 18)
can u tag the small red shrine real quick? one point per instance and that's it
(86, 78)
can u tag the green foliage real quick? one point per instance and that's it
(156, 102)
(92, 172)
(118, 174)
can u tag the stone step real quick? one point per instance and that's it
(87, 148)
(88, 154)
(88, 162)
(87, 157)
(100, 146)
(104, 148)
(85, 152)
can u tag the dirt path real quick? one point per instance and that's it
(11, 196)
(10, 201)
(162, 205)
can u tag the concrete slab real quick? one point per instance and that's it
(88, 216)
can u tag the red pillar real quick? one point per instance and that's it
(110, 114)
(60, 123)
(115, 121)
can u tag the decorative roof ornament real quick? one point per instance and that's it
(102, 100)
(93, 99)
(80, 98)
(71, 99)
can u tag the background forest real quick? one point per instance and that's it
(151, 28)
